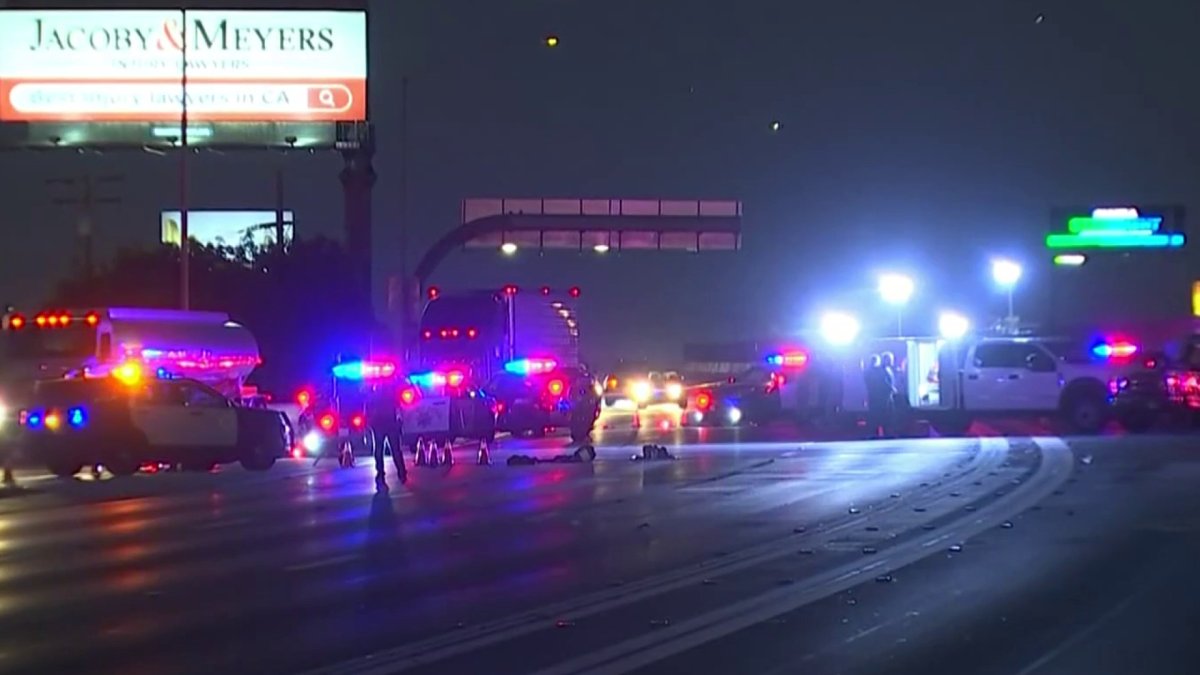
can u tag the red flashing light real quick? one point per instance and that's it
(16, 322)
(455, 378)
(545, 290)
(433, 292)
(358, 422)
(704, 401)
(408, 395)
(574, 292)
(327, 422)
(555, 387)
(472, 333)
(304, 398)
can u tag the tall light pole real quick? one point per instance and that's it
(185, 301)
(896, 290)
(1006, 274)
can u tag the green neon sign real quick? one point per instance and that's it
(1114, 228)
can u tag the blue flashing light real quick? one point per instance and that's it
(1115, 350)
(428, 380)
(775, 360)
(530, 366)
(34, 420)
(364, 370)
(77, 418)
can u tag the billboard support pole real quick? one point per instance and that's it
(184, 238)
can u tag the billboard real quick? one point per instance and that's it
(226, 228)
(128, 65)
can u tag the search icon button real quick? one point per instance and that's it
(329, 98)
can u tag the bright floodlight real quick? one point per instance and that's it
(895, 289)
(952, 325)
(839, 328)
(600, 248)
(1006, 273)
(508, 248)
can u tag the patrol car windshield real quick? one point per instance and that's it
(75, 341)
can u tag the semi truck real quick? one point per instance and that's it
(204, 346)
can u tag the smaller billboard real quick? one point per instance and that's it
(226, 228)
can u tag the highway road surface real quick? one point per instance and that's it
(749, 551)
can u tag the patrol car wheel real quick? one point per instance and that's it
(65, 469)
(1086, 414)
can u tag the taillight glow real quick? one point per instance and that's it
(40, 320)
(52, 320)
(327, 422)
(555, 387)
(472, 333)
(16, 322)
(92, 319)
(64, 320)
(612, 383)
(704, 400)
(304, 397)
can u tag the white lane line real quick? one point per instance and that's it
(1079, 637)
(991, 453)
(647, 649)
(323, 562)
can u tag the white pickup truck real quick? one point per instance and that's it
(951, 384)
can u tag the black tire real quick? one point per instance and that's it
(65, 469)
(1086, 414)
(1137, 421)
(258, 459)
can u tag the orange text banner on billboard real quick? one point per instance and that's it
(127, 65)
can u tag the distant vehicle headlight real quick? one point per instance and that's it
(674, 391)
(641, 391)
(735, 415)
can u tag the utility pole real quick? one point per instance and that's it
(85, 204)
(185, 252)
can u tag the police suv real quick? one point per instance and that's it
(127, 421)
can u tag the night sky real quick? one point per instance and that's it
(921, 136)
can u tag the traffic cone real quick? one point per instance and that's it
(434, 460)
(448, 453)
(485, 452)
(420, 459)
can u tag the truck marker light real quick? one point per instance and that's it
(16, 322)
(92, 319)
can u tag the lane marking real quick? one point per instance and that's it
(647, 649)
(1080, 636)
(323, 562)
(989, 455)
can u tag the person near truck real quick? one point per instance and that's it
(873, 379)
(888, 393)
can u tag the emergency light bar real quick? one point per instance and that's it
(364, 370)
(1115, 350)
(530, 366)
(788, 359)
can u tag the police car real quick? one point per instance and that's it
(442, 406)
(126, 421)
